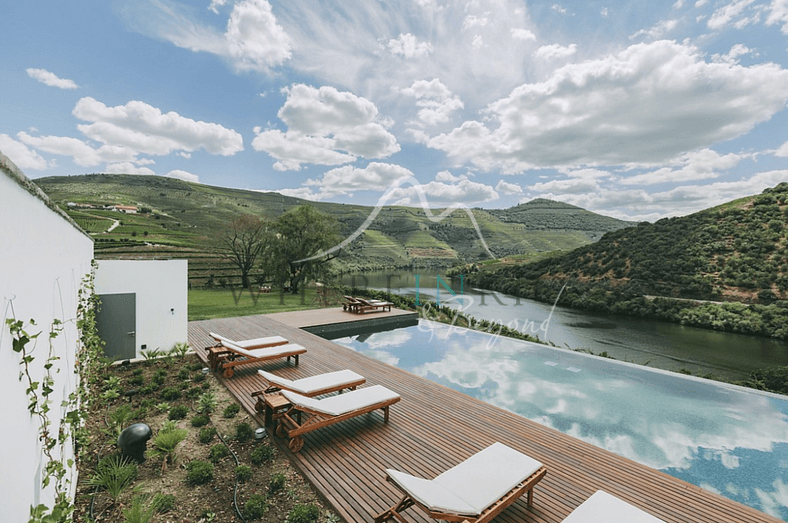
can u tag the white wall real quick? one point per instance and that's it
(161, 287)
(44, 258)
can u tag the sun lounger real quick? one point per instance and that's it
(237, 355)
(602, 507)
(220, 351)
(372, 305)
(351, 304)
(317, 413)
(476, 490)
(310, 387)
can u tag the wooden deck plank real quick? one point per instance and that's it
(433, 428)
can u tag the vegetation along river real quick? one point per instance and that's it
(655, 343)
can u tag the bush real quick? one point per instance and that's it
(193, 393)
(256, 507)
(206, 434)
(277, 482)
(170, 394)
(244, 432)
(262, 454)
(218, 452)
(163, 502)
(199, 472)
(243, 473)
(207, 403)
(183, 374)
(178, 412)
(200, 420)
(231, 410)
(303, 514)
(198, 378)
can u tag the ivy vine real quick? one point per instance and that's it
(88, 366)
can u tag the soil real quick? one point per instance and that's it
(207, 503)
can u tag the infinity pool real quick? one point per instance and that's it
(723, 438)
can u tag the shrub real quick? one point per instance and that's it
(192, 393)
(199, 472)
(243, 473)
(197, 365)
(198, 378)
(303, 514)
(256, 507)
(163, 502)
(262, 454)
(114, 474)
(277, 482)
(206, 434)
(178, 412)
(244, 432)
(166, 441)
(207, 403)
(170, 394)
(183, 374)
(200, 420)
(231, 410)
(136, 380)
(218, 452)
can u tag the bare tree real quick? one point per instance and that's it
(243, 241)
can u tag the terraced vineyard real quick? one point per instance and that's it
(184, 218)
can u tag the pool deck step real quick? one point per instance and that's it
(433, 428)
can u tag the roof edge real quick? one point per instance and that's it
(16, 174)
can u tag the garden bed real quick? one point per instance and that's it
(195, 482)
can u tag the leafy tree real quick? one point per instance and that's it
(302, 233)
(244, 241)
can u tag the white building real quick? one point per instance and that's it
(45, 257)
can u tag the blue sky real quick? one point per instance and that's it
(638, 110)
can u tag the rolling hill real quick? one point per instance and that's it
(725, 267)
(182, 218)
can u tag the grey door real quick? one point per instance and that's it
(117, 323)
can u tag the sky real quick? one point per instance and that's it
(633, 109)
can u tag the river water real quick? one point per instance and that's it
(655, 343)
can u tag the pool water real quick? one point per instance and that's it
(723, 438)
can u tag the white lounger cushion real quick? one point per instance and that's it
(473, 485)
(604, 508)
(313, 383)
(344, 403)
(245, 344)
(263, 353)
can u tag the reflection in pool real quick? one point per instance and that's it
(722, 438)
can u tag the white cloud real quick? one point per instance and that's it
(647, 104)
(183, 175)
(701, 3)
(472, 21)
(637, 204)
(126, 168)
(439, 194)
(145, 129)
(725, 14)
(252, 40)
(678, 4)
(51, 79)
(523, 34)
(435, 100)
(732, 56)
(773, 501)
(555, 51)
(446, 176)
(508, 188)
(305, 193)
(782, 151)
(408, 46)
(23, 157)
(559, 9)
(658, 31)
(778, 14)
(326, 127)
(696, 165)
(348, 179)
(82, 153)
(604, 12)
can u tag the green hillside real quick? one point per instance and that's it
(734, 254)
(180, 219)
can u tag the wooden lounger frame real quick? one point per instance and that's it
(224, 361)
(290, 428)
(526, 486)
(260, 405)
(367, 305)
(220, 352)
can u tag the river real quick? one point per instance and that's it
(655, 343)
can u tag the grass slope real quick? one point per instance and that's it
(185, 216)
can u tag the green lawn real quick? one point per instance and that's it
(222, 303)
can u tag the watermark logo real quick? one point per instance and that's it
(389, 195)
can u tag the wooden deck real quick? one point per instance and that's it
(433, 428)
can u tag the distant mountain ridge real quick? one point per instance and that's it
(185, 215)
